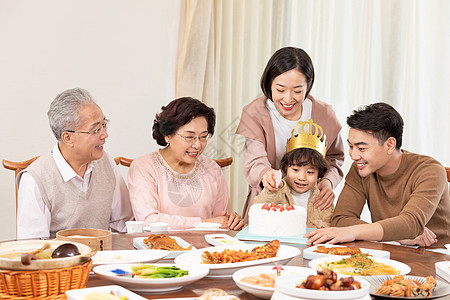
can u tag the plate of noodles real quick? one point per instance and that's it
(407, 287)
(360, 265)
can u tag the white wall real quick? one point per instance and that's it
(123, 52)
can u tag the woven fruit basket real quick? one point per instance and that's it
(43, 284)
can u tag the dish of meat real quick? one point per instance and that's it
(310, 252)
(226, 270)
(139, 244)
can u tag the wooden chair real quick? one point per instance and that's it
(17, 166)
(127, 161)
(123, 161)
(224, 162)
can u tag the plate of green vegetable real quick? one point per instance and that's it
(151, 277)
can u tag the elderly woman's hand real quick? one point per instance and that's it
(235, 221)
(231, 221)
(222, 220)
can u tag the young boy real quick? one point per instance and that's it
(302, 167)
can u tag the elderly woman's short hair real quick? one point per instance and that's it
(179, 112)
(63, 112)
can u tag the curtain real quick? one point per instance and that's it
(364, 51)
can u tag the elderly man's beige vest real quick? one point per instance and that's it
(69, 207)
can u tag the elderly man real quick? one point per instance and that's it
(77, 184)
(407, 193)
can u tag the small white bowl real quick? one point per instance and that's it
(207, 226)
(135, 226)
(158, 226)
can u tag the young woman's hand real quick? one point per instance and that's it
(268, 181)
(326, 196)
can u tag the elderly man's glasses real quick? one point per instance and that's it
(97, 131)
(192, 139)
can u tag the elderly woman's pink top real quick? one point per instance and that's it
(159, 194)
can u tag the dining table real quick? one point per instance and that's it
(420, 260)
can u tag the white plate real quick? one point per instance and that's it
(287, 284)
(205, 229)
(260, 291)
(278, 295)
(226, 297)
(150, 284)
(221, 239)
(138, 243)
(285, 253)
(79, 294)
(401, 267)
(442, 288)
(443, 269)
(127, 256)
(206, 225)
(309, 253)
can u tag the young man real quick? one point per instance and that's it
(76, 185)
(407, 193)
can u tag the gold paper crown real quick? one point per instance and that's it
(312, 139)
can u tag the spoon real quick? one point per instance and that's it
(65, 250)
(26, 258)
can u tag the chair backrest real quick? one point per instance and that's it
(127, 161)
(17, 166)
(123, 161)
(224, 162)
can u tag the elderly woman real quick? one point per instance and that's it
(177, 184)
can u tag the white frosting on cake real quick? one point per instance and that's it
(275, 222)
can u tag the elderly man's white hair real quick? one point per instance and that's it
(63, 111)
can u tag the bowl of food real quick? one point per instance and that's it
(42, 254)
(310, 284)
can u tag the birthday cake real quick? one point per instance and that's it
(269, 219)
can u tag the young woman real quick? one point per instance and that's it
(268, 121)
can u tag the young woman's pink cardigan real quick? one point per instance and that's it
(256, 125)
